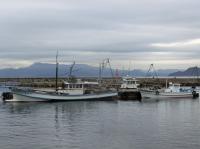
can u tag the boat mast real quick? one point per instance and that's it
(129, 68)
(71, 69)
(195, 73)
(151, 72)
(100, 71)
(57, 71)
(103, 66)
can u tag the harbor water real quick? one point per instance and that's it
(168, 124)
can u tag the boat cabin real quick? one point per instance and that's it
(77, 88)
(173, 87)
(129, 83)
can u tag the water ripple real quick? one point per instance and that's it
(109, 125)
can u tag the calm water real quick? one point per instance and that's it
(170, 124)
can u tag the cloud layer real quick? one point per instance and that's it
(162, 32)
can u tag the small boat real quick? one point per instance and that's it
(173, 91)
(129, 89)
(129, 83)
(71, 92)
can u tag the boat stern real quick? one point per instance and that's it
(7, 96)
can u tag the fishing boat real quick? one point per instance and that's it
(173, 91)
(129, 83)
(72, 90)
(129, 89)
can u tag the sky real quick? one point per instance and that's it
(137, 32)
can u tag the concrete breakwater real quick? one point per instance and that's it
(106, 82)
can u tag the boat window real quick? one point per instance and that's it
(70, 86)
(66, 86)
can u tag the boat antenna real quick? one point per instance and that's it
(57, 71)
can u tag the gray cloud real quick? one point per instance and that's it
(90, 30)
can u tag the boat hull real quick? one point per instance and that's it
(24, 97)
(156, 95)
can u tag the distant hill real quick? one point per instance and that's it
(81, 70)
(192, 71)
(48, 70)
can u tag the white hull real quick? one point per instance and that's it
(34, 96)
(163, 95)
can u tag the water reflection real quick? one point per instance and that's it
(114, 124)
(60, 107)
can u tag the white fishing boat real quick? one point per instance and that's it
(71, 92)
(173, 91)
(129, 83)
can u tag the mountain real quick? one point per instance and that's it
(81, 70)
(192, 71)
(166, 72)
(48, 70)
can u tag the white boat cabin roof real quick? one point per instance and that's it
(81, 82)
(128, 78)
(174, 84)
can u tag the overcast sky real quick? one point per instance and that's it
(163, 32)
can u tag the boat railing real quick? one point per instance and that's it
(22, 90)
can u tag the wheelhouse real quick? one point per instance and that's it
(129, 83)
(78, 88)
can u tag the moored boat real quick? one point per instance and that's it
(129, 83)
(173, 91)
(71, 92)
(129, 89)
